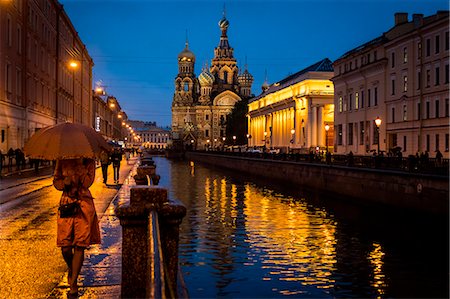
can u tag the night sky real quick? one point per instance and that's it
(134, 44)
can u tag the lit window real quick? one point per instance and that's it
(405, 55)
(405, 83)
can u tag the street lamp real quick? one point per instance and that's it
(234, 139)
(327, 127)
(378, 123)
(207, 143)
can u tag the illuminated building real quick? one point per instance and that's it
(109, 119)
(201, 104)
(38, 86)
(291, 114)
(150, 135)
(402, 78)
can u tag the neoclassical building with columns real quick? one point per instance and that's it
(292, 113)
(201, 104)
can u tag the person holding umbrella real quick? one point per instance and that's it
(77, 223)
(74, 147)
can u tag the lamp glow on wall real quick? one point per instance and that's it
(327, 128)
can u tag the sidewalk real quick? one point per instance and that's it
(101, 273)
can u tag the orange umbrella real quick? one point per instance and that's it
(65, 141)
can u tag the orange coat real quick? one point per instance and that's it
(81, 230)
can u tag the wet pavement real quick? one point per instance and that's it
(32, 265)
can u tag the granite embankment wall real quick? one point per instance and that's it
(406, 190)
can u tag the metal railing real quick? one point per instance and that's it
(411, 164)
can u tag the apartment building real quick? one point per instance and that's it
(401, 79)
(46, 70)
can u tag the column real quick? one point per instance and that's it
(314, 126)
(320, 127)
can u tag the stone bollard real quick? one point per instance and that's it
(134, 219)
(143, 173)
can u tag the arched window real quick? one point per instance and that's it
(186, 86)
(225, 77)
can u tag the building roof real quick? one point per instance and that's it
(325, 65)
(398, 31)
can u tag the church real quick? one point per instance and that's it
(201, 104)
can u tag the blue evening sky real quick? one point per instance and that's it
(135, 43)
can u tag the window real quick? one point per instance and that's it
(436, 143)
(405, 115)
(446, 74)
(446, 41)
(374, 55)
(206, 133)
(405, 83)
(392, 86)
(427, 111)
(356, 100)
(368, 98)
(186, 86)
(393, 59)
(428, 47)
(339, 139)
(340, 104)
(9, 32)
(405, 55)
(428, 143)
(428, 78)
(393, 114)
(394, 139)
(404, 143)
(446, 108)
(368, 57)
(206, 116)
(446, 141)
(436, 76)
(375, 96)
(350, 102)
(361, 132)
(225, 77)
(19, 39)
(8, 78)
(350, 134)
(436, 109)
(19, 82)
(436, 44)
(362, 98)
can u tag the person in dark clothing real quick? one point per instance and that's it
(10, 158)
(104, 161)
(116, 157)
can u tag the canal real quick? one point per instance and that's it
(246, 238)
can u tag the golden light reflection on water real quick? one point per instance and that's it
(290, 242)
(378, 281)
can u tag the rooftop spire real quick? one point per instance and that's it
(187, 41)
(224, 11)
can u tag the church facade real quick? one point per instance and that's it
(201, 104)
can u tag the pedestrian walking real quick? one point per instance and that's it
(105, 161)
(77, 220)
(10, 158)
(438, 158)
(116, 157)
(127, 155)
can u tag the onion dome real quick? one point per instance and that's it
(223, 24)
(186, 54)
(245, 78)
(206, 78)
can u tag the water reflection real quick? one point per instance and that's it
(240, 239)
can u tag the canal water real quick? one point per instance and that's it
(247, 238)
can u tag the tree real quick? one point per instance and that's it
(237, 122)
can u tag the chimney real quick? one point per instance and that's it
(418, 20)
(400, 18)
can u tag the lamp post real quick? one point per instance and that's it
(207, 144)
(73, 66)
(327, 127)
(234, 139)
(214, 143)
(378, 123)
(291, 143)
